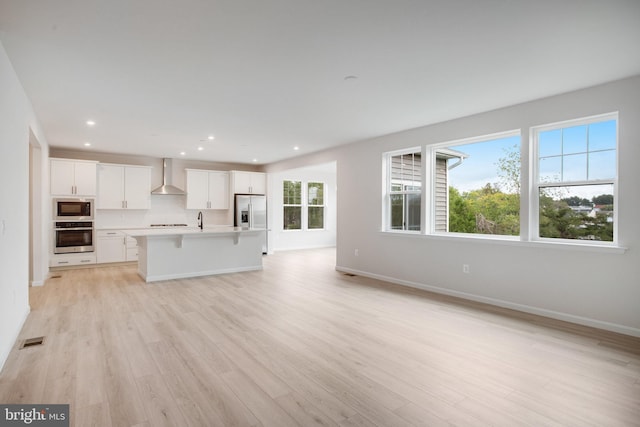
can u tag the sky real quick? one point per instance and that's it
(576, 153)
(481, 167)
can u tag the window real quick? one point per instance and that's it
(477, 185)
(292, 201)
(303, 208)
(315, 205)
(404, 190)
(576, 165)
(474, 186)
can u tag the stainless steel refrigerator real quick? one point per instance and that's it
(251, 212)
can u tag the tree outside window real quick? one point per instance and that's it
(315, 205)
(292, 201)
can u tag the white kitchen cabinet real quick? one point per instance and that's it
(207, 189)
(111, 246)
(115, 246)
(68, 260)
(124, 187)
(131, 249)
(73, 177)
(249, 182)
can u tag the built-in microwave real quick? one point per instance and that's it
(73, 209)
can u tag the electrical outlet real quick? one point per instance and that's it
(465, 268)
(356, 252)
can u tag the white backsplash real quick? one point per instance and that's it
(165, 209)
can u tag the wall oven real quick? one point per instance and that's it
(73, 237)
(73, 209)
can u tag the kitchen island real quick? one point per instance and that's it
(177, 253)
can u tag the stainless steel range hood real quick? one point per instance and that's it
(167, 188)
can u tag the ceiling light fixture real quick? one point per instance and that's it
(182, 153)
(90, 123)
(87, 144)
(296, 148)
(255, 160)
(211, 138)
(200, 148)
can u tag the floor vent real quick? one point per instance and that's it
(349, 274)
(55, 277)
(30, 342)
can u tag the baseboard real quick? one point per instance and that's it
(37, 283)
(585, 321)
(5, 354)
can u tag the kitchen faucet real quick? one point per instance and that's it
(200, 221)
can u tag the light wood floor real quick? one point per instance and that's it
(301, 344)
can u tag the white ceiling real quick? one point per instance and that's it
(263, 76)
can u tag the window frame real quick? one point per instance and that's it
(388, 192)
(308, 205)
(535, 184)
(432, 153)
(292, 205)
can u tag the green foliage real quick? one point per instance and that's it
(487, 211)
(461, 218)
(558, 220)
(603, 199)
(509, 169)
(577, 201)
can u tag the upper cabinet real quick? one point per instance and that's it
(124, 187)
(249, 182)
(207, 189)
(73, 177)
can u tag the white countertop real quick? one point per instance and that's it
(182, 231)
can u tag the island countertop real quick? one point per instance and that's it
(183, 231)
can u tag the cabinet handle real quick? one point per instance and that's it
(111, 232)
(85, 260)
(63, 262)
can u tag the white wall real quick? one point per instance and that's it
(588, 287)
(280, 239)
(16, 119)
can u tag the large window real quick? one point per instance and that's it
(404, 190)
(315, 205)
(292, 202)
(576, 167)
(477, 186)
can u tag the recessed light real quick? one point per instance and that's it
(87, 144)
(255, 160)
(296, 148)
(182, 153)
(211, 138)
(200, 148)
(90, 123)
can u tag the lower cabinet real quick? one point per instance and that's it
(132, 249)
(67, 260)
(115, 246)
